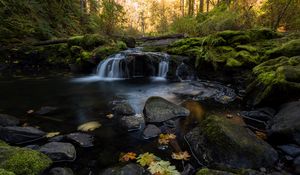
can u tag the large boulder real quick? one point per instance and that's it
(8, 120)
(286, 123)
(158, 109)
(222, 144)
(59, 151)
(23, 161)
(273, 77)
(131, 123)
(18, 135)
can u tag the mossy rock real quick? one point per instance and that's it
(4, 172)
(23, 161)
(206, 171)
(104, 51)
(2, 143)
(275, 76)
(222, 144)
(87, 41)
(289, 49)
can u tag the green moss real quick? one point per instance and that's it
(228, 34)
(288, 49)
(121, 45)
(75, 41)
(4, 172)
(93, 40)
(23, 161)
(231, 62)
(76, 50)
(206, 171)
(86, 55)
(2, 143)
(248, 48)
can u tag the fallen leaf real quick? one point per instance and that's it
(125, 157)
(52, 134)
(181, 156)
(146, 159)
(89, 126)
(261, 135)
(109, 116)
(166, 138)
(31, 111)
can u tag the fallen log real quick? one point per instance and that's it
(174, 36)
(49, 42)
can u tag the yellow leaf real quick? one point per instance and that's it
(146, 159)
(52, 134)
(30, 111)
(89, 126)
(125, 157)
(164, 139)
(181, 156)
(109, 116)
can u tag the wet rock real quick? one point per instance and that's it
(206, 171)
(34, 147)
(129, 169)
(131, 123)
(129, 41)
(82, 139)
(158, 109)
(286, 123)
(8, 120)
(184, 72)
(123, 109)
(59, 151)
(220, 143)
(61, 171)
(291, 149)
(207, 92)
(23, 161)
(297, 164)
(151, 131)
(188, 169)
(47, 110)
(258, 118)
(58, 138)
(18, 135)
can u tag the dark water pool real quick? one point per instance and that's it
(80, 101)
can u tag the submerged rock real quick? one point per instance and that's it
(17, 135)
(158, 109)
(61, 171)
(129, 169)
(59, 151)
(82, 139)
(221, 143)
(258, 118)
(151, 131)
(23, 161)
(47, 110)
(291, 150)
(123, 109)
(131, 123)
(8, 120)
(286, 123)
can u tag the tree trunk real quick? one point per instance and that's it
(191, 7)
(182, 7)
(281, 15)
(207, 5)
(201, 6)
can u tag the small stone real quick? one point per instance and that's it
(18, 135)
(61, 171)
(47, 110)
(8, 120)
(291, 149)
(131, 123)
(59, 151)
(151, 131)
(82, 139)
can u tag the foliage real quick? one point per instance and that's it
(146, 159)
(4, 172)
(125, 157)
(181, 155)
(166, 138)
(186, 25)
(162, 168)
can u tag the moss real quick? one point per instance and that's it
(76, 50)
(75, 41)
(228, 34)
(23, 161)
(4, 172)
(86, 55)
(248, 48)
(206, 171)
(92, 40)
(231, 62)
(288, 49)
(2, 143)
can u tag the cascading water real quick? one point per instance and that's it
(117, 66)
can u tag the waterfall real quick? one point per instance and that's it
(121, 66)
(113, 67)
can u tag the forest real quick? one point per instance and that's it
(149, 87)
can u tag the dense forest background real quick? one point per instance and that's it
(27, 20)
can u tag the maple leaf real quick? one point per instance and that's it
(146, 159)
(181, 156)
(125, 157)
(162, 168)
(164, 139)
(261, 135)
